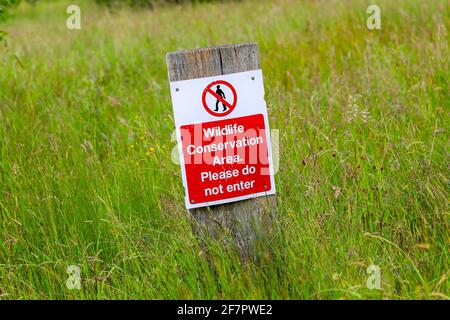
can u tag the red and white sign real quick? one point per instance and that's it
(223, 138)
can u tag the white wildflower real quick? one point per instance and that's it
(15, 169)
(356, 113)
(337, 191)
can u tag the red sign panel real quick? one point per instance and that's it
(226, 158)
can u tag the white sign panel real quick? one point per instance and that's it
(223, 138)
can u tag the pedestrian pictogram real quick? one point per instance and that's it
(223, 144)
(219, 98)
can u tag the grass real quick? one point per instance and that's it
(86, 177)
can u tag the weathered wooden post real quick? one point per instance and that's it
(247, 220)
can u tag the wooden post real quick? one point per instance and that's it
(243, 222)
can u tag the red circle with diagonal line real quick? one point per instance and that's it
(208, 90)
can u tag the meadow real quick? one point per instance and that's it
(86, 176)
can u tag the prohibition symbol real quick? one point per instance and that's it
(219, 98)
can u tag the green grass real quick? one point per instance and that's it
(85, 170)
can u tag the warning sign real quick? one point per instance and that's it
(229, 160)
(215, 101)
(223, 138)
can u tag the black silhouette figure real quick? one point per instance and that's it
(221, 94)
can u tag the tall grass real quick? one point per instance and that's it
(85, 146)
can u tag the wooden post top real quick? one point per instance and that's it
(212, 61)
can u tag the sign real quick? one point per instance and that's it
(223, 138)
(219, 96)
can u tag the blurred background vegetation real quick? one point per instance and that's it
(146, 3)
(111, 4)
(5, 4)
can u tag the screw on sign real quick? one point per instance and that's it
(216, 102)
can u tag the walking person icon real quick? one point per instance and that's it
(221, 94)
